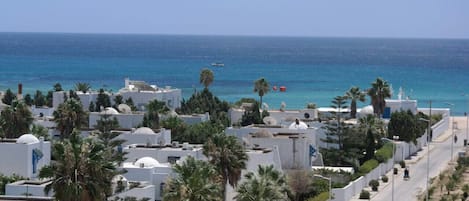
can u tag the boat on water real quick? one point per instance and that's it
(217, 64)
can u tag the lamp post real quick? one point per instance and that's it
(452, 129)
(394, 137)
(330, 184)
(428, 152)
(467, 120)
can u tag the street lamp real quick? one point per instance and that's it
(467, 121)
(428, 152)
(452, 129)
(330, 183)
(394, 137)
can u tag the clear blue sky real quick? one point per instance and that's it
(350, 18)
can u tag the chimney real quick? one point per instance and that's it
(19, 96)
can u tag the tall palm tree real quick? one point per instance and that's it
(206, 77)
(81, 170)
(82, 86)
(354, 94)
(69, 115)
(267, 184)
(228, 156)
(261, 86)
(378, 92)
(16, 119)
(195, 181)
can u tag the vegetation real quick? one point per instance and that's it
(354, 94)
(28, 100)
(82, 169)
(384, 178)
(178, 128)
(83, 87)
(206, 77)
(261, 87)
(368, 166)
(364, 194)
(407, 126)
(40, 131)
(324, 196)
(152, 117)
(118, 99)
(57, 87)
(228, 156)
(379, 91)
(8, 97)
(102, 101)
(39, 99)
(68, 116)
(130, 103)
(195, 181)
(253, 115)
(374, 184)
(4, 180)
(384, 153)
(266, 184)
(15, 120)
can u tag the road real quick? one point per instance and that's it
(439, 159)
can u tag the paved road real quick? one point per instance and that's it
(439, 159)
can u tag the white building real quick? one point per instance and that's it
(164, 154)
(146, 136)
(140, 92)
(28, 188)
(24, 156)
(278, 117)
(126, 120)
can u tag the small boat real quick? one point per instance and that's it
(218, 64)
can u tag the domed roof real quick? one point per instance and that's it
(109, 110)
(298, 126)
(144, 130)
(27, 139)
(147, 162)
(367, 110)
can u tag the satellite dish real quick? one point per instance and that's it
(124, 108)
(269, 120)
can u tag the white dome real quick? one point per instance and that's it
(109, 110)
(147, 162)
(300, 126)
(144, 130)
(27, 139)
(367, 110)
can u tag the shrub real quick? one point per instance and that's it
(402, 163)
(374, 184)
(365, 194)
(368, 166)
(321, 197)
(395, 171)
(384, 153)
(385, 178)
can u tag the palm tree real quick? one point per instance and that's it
(16, 120)
(261, 86)
(69, 115)
(81, 170)
(195, 181)
(152, 117)
(206, 77)
(378, 92)
(374, 129)
(228, 156)
(267, 184)
(83, 87)
(354, 94)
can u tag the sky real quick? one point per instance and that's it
(319, 18)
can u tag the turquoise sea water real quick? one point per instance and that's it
(312, 69)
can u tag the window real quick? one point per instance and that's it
(173, 159)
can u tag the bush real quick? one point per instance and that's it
(321, 197)
(368, 166)
(395, 171)
(365, 194)
(385, 179)
(384, 153)
(374, 184)
(402, 163)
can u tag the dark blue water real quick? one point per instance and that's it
(312, 69)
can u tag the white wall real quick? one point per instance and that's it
(20, 189)
(125, 120)
(20, 162)
(161, 154)
(148, 191)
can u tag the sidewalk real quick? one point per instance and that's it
(414, 159)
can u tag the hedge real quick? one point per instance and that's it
(368, 166)
(384, 153)
(324, 196)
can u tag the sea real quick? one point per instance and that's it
(312, 69)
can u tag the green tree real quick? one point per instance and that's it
(354, 94)
(206, 77)
(151, 118)
(118, 99)
(15, 120)
(177, 127)
(40, 131)
(253, 115)
(199, 133)
(261, 87)
(83, 87)
(108, 138)
(130, 103)
(92, 107)
(68, 116)
(28, 100)
(8, 97)
(267, 184)
(228, 156)
(81, 170)
(39, 99)
(195, 181)
(49, 98)
(205, 101)
(406, 125)
(374, 129)
(58, 87)
(102, 101)
(378, 92)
